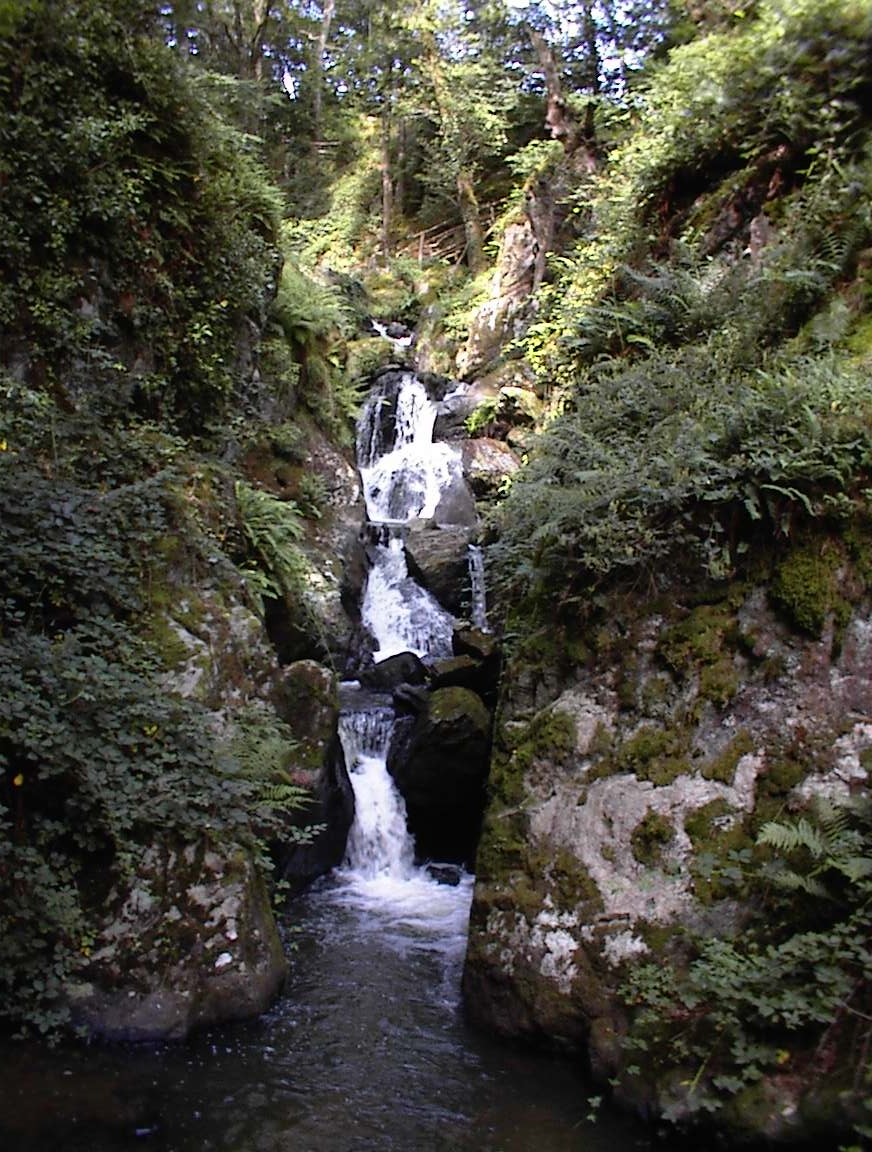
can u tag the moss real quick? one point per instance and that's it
(655, 693)
(572, 884)
(654, 753)
(550, 736)
(858, 540)
(719, 682)
(781, 776)
(650, 837)
(171, 650)
(804, 587)
(501, 850)
(698, 639)
(723, 766)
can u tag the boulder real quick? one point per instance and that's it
(438, 558)
(439, 761)
(486, 465)
(404, 668)
(619, 790)
(456, 508)
(187, 942)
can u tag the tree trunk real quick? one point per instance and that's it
(387, 187)
(400, 182)
(558, 118)
(327, 13)
(472, 228)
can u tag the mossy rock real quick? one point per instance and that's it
(550, 736)
(654, 753)
(723, 766)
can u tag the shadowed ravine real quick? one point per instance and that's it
(367, 1050)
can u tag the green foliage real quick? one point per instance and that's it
(94, 755)
(133, 216)
(667, 454)
(273, 530)
(795, 982)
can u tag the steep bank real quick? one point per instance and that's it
(673, 877)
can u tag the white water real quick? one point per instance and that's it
(407, 482)
(476, 582)
(400, 614)
(380, 876)
(397, 341)
(403, 483)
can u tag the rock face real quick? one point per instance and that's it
(626, 759)
(191, 942)
(487, 464)
(438, 758)
(305, 696)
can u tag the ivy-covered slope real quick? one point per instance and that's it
(158, 485)
(683, 565)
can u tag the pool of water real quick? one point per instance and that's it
(366, 1051)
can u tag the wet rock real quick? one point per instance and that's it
(456, 508)
(188, 942)
(438, 558)
(404, 668)
(449, 874)
(487, 464)
(473, 642)
(439, 762)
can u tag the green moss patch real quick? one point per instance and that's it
(650, 837)
(723, 766)
(804, 587)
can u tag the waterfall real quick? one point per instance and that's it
(400, 614)
(378, 844)
(404, 476)
(478, 609)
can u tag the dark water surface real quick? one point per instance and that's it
(367, 1051)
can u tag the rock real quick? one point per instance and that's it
(449, 874)
(452, 414)
(456, 507)
(188, 942)
(487, 464)
(438, 558)
(613, 777)
(456, 672)
(306, 698)
(439, 761)
(404, 668)
(473, 642)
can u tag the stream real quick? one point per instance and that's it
(367, 1050)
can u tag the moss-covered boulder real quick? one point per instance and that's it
(439, 759)
(188, 941)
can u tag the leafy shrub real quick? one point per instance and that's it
(793, 986)
(132, 217)
(660, 455)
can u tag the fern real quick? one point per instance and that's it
(273, 529)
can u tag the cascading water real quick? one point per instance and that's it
(478, 607)
(404, 475)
